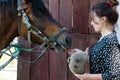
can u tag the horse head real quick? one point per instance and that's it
(31, 20)
(42, 27)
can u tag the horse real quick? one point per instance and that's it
(31, 20)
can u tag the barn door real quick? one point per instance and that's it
(73, 14)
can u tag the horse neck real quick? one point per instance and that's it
(8, 31)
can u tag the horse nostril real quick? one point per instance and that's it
(68, 40)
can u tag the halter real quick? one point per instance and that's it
(22, 15)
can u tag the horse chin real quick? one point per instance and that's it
(58, 49)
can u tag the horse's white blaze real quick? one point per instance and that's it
(118, 24)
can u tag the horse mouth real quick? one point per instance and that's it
(60, 49)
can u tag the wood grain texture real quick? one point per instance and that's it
(40, 69)
(54, 9)
(66, 14)
(23, 72)
(57, 62)
(58, 66)
(80, 16)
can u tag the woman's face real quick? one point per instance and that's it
(96, 22)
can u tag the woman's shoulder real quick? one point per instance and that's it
(106, 43)
(111, 39)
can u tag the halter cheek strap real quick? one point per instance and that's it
(24, 6)
(23, 15)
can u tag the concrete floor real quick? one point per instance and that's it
(10, 72)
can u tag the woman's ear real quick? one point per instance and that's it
(103, 19)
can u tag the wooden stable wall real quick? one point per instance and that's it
(73, 14)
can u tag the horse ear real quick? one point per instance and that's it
(87, 50)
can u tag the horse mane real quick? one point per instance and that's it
(39, 9)
(10, 6)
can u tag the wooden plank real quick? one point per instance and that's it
(40, 69)
(57, 62)
(58, 66)
(54, 9)
(66, 14)
(37, 71)
(80, 16)
(23, 71)
(66, 20)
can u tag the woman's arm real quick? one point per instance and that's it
(89, 77)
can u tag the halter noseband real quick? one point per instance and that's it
(23, 16)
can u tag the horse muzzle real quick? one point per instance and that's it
(63, 43)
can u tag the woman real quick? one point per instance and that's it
(104, 57)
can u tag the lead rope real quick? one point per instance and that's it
(14, 56)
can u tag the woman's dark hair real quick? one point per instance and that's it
(106, 9)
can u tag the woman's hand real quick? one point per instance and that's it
(71, 51)
(85, 76)
(88, 76)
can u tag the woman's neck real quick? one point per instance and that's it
(107, 30)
